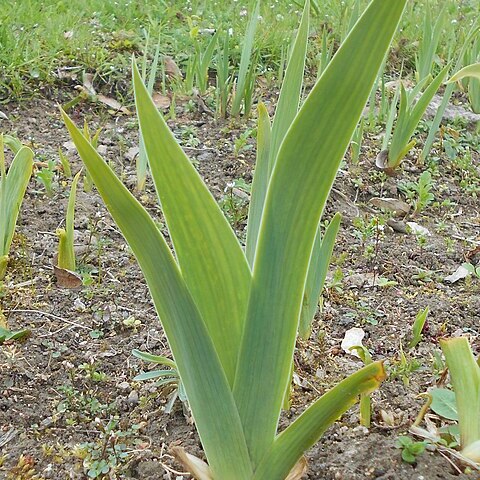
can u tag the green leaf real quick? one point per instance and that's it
(465, 377)
(155, 374)
(148, 357)
(305, 431)
(291, 90)
(419, 323)
(301, 181)
(6, 334)
(66, 253)
(269, 137)
(468, 71)
(317, 273)
(207, 387)
(408, 457)
(245, 61)
(12, 190)
(444, 403)
(212, 262)
(260, 182)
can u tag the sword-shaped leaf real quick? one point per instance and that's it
(303, 174)
(211, 260)
(199, 366)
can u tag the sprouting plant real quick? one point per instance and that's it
(232, 328)
(142, 160)
(203, 60)
(396, 146)
(66, 254)
(336, 282)
(66, 264)
(404, 367)
(92, 372)
(423, 189)
(470, 37)
(243, 87)
(109, 452)
(241, 143)
(189, 137)
(325, 53)
(410, 449)
(465, 376)
(417, 328)
(471, 82)
(429, 42)
(234, 202)
(12, 190)
(67, 171)
(419, 193)
(169, 381)
(46, 175)
(356, 143)
(224, 80)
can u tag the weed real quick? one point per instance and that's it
(410, 449)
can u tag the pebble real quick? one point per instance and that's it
(133, 398)
(123, 386)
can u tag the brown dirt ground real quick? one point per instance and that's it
(50, 402)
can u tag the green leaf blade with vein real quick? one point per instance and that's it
(12, 190)
(303, 175)
(291, 90)
(200, 369)
(211, 259)
(270, 136)
(245, 61)
(465, 377)
(305, 431)
(317, 273)
(260, 182)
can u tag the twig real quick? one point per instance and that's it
(50, 315)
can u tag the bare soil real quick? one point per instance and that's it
(60, 387)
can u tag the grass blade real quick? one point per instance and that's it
(199, 367)
(213, 264)
(301, 181)
(245, 61)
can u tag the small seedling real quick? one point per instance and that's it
(169, 381)
(12, 190)
(418, 325)
(419, 193)
(404, 367)
(410, 449)
(46, 176)
(67, 171)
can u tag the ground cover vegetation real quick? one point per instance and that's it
(298, 182)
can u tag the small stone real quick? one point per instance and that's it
(46, 422)
(133, 398)
(79, 305)
(123, 386)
